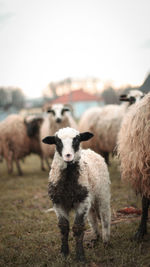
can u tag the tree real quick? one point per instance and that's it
(145, 87)
(18, 99)
(11, 96)
(5, 97)
(52, 86)
(110, 97)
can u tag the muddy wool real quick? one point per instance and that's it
(68, 191)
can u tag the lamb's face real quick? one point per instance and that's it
(67, 141)
(58, 112)
(132, 97)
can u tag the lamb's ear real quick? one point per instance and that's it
(85, 136)
(50, 140)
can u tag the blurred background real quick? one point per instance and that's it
(85, 52)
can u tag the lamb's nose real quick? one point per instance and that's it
(68, 155)
(58, 120)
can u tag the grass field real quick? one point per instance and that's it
(30, 237)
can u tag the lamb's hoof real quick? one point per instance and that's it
(106, 244)
(139, 235)
(81, 258)
(90, 239)
(65, 252)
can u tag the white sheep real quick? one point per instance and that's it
(58, 116)
(75, 184)
(134, 153)
(87, 117)
(105, 124)
(15, 141)
(86, 124)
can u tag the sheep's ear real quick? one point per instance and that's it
(49, 110)
(50, 140)
(64, 109)
(85, 136)
(123, 98)
(69, 107)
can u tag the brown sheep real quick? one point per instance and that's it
(15, 141)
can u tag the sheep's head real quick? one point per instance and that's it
(67, 141)
(33, 124)
(58, 112)
(132, 97)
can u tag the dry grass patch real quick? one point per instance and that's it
(30, 237)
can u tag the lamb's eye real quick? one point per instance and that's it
(58, 142)
(76, 143)
(59, 145)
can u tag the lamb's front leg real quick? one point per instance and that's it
(78, 229)
(64, 229)
(63, 224)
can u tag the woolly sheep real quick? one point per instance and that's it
(133, 150)
(86, 123)
(15, 142)
(105, 124)
(74, 184)
(58, 116)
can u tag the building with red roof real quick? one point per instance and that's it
(80, 100)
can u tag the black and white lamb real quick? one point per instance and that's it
(78, 180)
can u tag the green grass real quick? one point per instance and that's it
(30, 237)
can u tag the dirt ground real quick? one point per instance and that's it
(29, 235)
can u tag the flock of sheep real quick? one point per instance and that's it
(123, 129)
(21, 136)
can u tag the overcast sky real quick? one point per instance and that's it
(48, 40)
